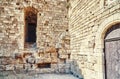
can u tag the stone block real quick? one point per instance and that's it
(67, 70)
(39, 60)
(27, 55)
(2, 67)
(54, 60)
(47, 55)
(54, 66)
(61, 61)
(54, 55)
(50, 49)
(2, 35)
(41, 55)
(6, 61)
(18, 66)
(27, 66)
(9, 67)
(18, 55)
(63, 56)
(47, 60)
(30, 60)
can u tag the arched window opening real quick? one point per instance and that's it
(30, 25)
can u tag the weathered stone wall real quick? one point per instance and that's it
(88, 21)
(52, 36)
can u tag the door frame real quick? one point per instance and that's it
(99, 40)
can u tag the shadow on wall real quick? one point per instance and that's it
(75, 70)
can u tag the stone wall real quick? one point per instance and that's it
(88, 21)
(52, 45)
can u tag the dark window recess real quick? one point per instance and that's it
(31, 33)
(44, 65)
(68, 56)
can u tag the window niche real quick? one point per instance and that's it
(30, 26)
(44, 65)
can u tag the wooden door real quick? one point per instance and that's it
(112, 52)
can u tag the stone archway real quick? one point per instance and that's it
(99, 39)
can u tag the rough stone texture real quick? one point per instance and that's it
(52, 42)
(58, 49)
(88, 23)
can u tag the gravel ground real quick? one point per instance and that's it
(40, 76)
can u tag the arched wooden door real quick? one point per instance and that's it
(112, 52)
